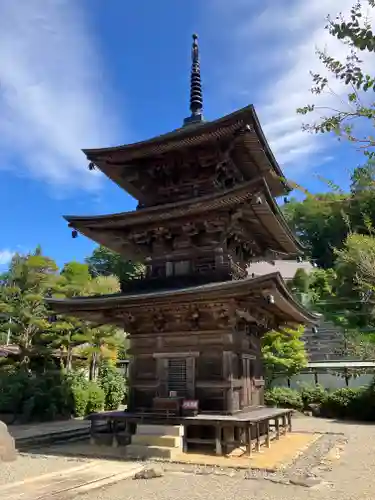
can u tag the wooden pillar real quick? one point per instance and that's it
(277, 427)
(249, 440)
(267, 429)
(244, 391)
(218, 448)
(248, 382)
(227, 376)
(257, 437)
(93, 431)
(289, 421)
(114, 434)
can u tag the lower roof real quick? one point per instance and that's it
(284, 306)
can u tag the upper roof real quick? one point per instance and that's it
(285, 306)
(194, 135)
(273, 226)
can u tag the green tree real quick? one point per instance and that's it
(283, 353)
(355, 119)
(104, 262)
(29, 279)
(71, 333)
(324, 222)
(320, 224)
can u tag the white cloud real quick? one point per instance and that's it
(268, 52)
(5, 256)
(51, 92)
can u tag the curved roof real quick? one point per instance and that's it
(285, 307)
(273, 226)
(195, 135)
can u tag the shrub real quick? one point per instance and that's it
(313, 394)
(39, 397)
(80, 398)
(113, 385)
(96, 398)
(283, 397)
(343, 403)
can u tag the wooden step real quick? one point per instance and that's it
(160, 430)
(141, 452)
(153, 440)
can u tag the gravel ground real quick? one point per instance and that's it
(27, 466)
(351, 476)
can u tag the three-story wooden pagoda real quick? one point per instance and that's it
(207, 209)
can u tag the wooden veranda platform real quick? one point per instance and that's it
(252, 428)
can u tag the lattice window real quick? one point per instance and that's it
(177, 376)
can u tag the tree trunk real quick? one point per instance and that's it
(69, 359)
(93, 366)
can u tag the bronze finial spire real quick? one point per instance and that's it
(196, 96)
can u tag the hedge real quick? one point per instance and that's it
(345, 403)
(26, 397)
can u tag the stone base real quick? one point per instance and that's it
(155, 441)
(8, 451)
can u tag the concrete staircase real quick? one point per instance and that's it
(156, 441)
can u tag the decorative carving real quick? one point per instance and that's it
(159, 321)
(190, 228)
(193, 316)
(222, 317)
(130, 322)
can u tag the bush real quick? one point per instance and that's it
(80, 398)
(343, 403)
(283, 397)
(313, 395)
(96, 398)
(113, 385)
(39, 397)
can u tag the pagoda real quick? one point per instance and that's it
(206, 210)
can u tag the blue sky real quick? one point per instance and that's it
(95, 73)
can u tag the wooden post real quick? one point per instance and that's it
(268, 440)
(114, 434)
(92, 431)
(290, 421)
(249, 439)
(284, 424)
(184, 440)
(277, 427)
(218, 448)
(227, 376)
(257, 436)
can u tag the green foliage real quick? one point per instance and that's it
(343, 403)
(346, 403)
(104, 262)
(80, 399)
(42, 397)
(113, 385)
(313, 394)
(300, 282)
(357, 35)
(283, 353)
(283, 397)
(318, 222)
(96, 398)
